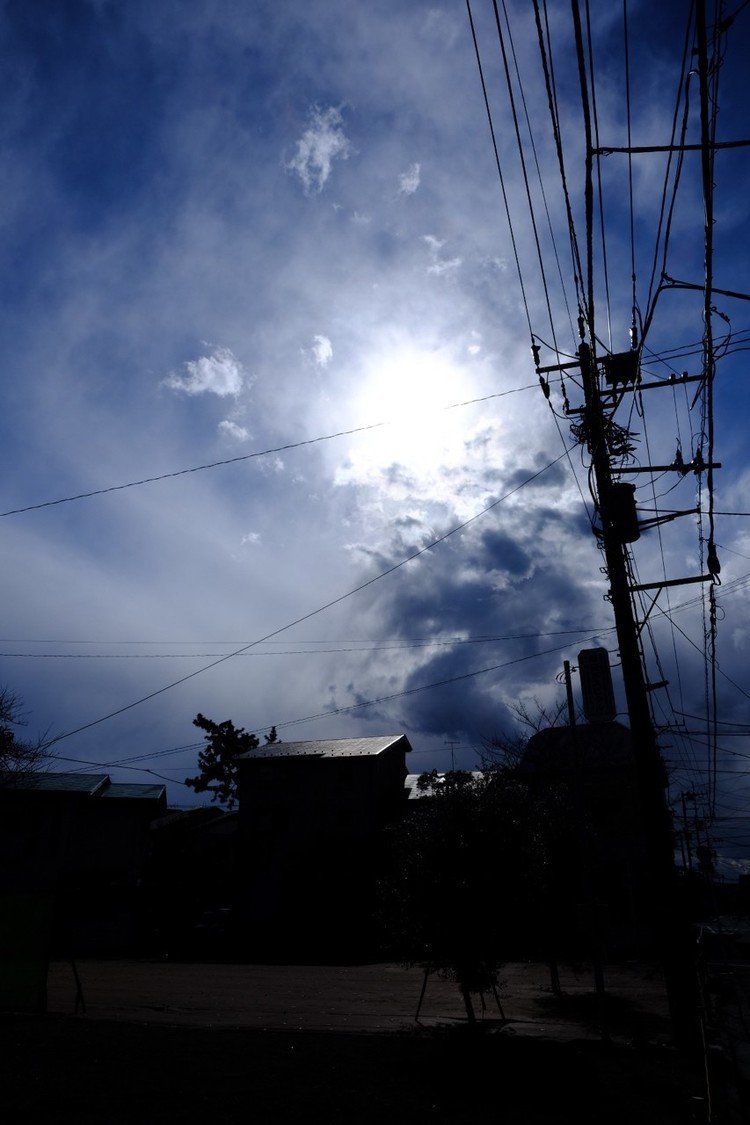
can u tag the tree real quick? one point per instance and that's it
(467, 870)
(218, 761)
(18, 757)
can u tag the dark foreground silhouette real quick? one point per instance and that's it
(67, 1069)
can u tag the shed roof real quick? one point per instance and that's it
(331, 748)
(126, 790)
(87, 785)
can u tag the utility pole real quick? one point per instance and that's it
(618, 526)
(605, 383)
(650, 771)
(649, 767)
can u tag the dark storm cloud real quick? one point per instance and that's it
(504, 553)
(557, 476)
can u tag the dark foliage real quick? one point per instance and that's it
(18, 757)
(468, 871)
(217, 762)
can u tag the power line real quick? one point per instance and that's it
(244, 457)
(308, 616)
(414, 690)
(373, 644)
(385, 647)
(499, 166)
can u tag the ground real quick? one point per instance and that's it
(163, 1042)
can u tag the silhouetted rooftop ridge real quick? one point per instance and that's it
(330, 748)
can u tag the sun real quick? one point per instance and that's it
(409, 390)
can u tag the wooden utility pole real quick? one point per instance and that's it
(618, 527)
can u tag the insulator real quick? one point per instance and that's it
(535, 354)
(712, 560)
(544, 385)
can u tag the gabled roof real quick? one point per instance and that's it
(331, 748)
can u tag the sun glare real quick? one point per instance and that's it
(409, 390)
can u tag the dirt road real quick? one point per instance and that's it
(381, 997)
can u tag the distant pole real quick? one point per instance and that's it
(569, 693)
(452, 744)
(686, 831)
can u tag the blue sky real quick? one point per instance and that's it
(229, 228)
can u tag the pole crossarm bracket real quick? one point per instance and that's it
(557, 367)
(674, 283)
(657, 521)
(685, 468)
(665, 583)
(609, 149)
(672, 381)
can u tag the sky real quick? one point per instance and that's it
(271, 239)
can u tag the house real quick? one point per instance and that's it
(82, 841)
(310, 814)
(192, 874)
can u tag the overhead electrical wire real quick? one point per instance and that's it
(630, 163)
(600, 193)
(683, 86)
(540, 180)
(247, 456)
(527, 186)
(385, 647)
(415, 690)
(284, 723)
(313, 613)
(545, 51)
(498, 165)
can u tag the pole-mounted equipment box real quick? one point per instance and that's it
(596, 685)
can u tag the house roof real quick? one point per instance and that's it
(331, 748)
(126, 790)
(87, 785)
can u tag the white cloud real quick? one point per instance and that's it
(218, 374)
(232, 431)
(318, 147)
(408, 181)
(439, 265)
(251, 537)
(322, 350)
(446, 265)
